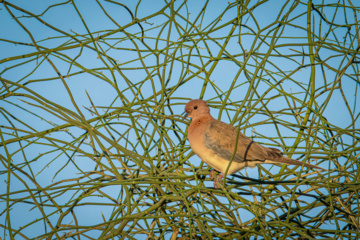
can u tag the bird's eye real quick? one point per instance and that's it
(195, 107)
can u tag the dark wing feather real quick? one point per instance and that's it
(221, 138)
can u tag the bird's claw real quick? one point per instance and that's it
(218, 182)
(212, 172)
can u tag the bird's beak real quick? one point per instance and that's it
(185, 116)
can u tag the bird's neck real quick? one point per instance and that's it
(200, 120)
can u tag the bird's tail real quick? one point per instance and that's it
(290, 161)
(276, 156)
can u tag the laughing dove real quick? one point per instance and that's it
(214, 142)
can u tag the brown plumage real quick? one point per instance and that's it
(214, 142)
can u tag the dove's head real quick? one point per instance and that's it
(196, 108)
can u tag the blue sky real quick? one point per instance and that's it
(92, 75)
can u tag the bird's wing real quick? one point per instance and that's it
(221, 138)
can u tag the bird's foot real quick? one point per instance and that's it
(212, 172)
(218, 182)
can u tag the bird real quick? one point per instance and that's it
(218, 143)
